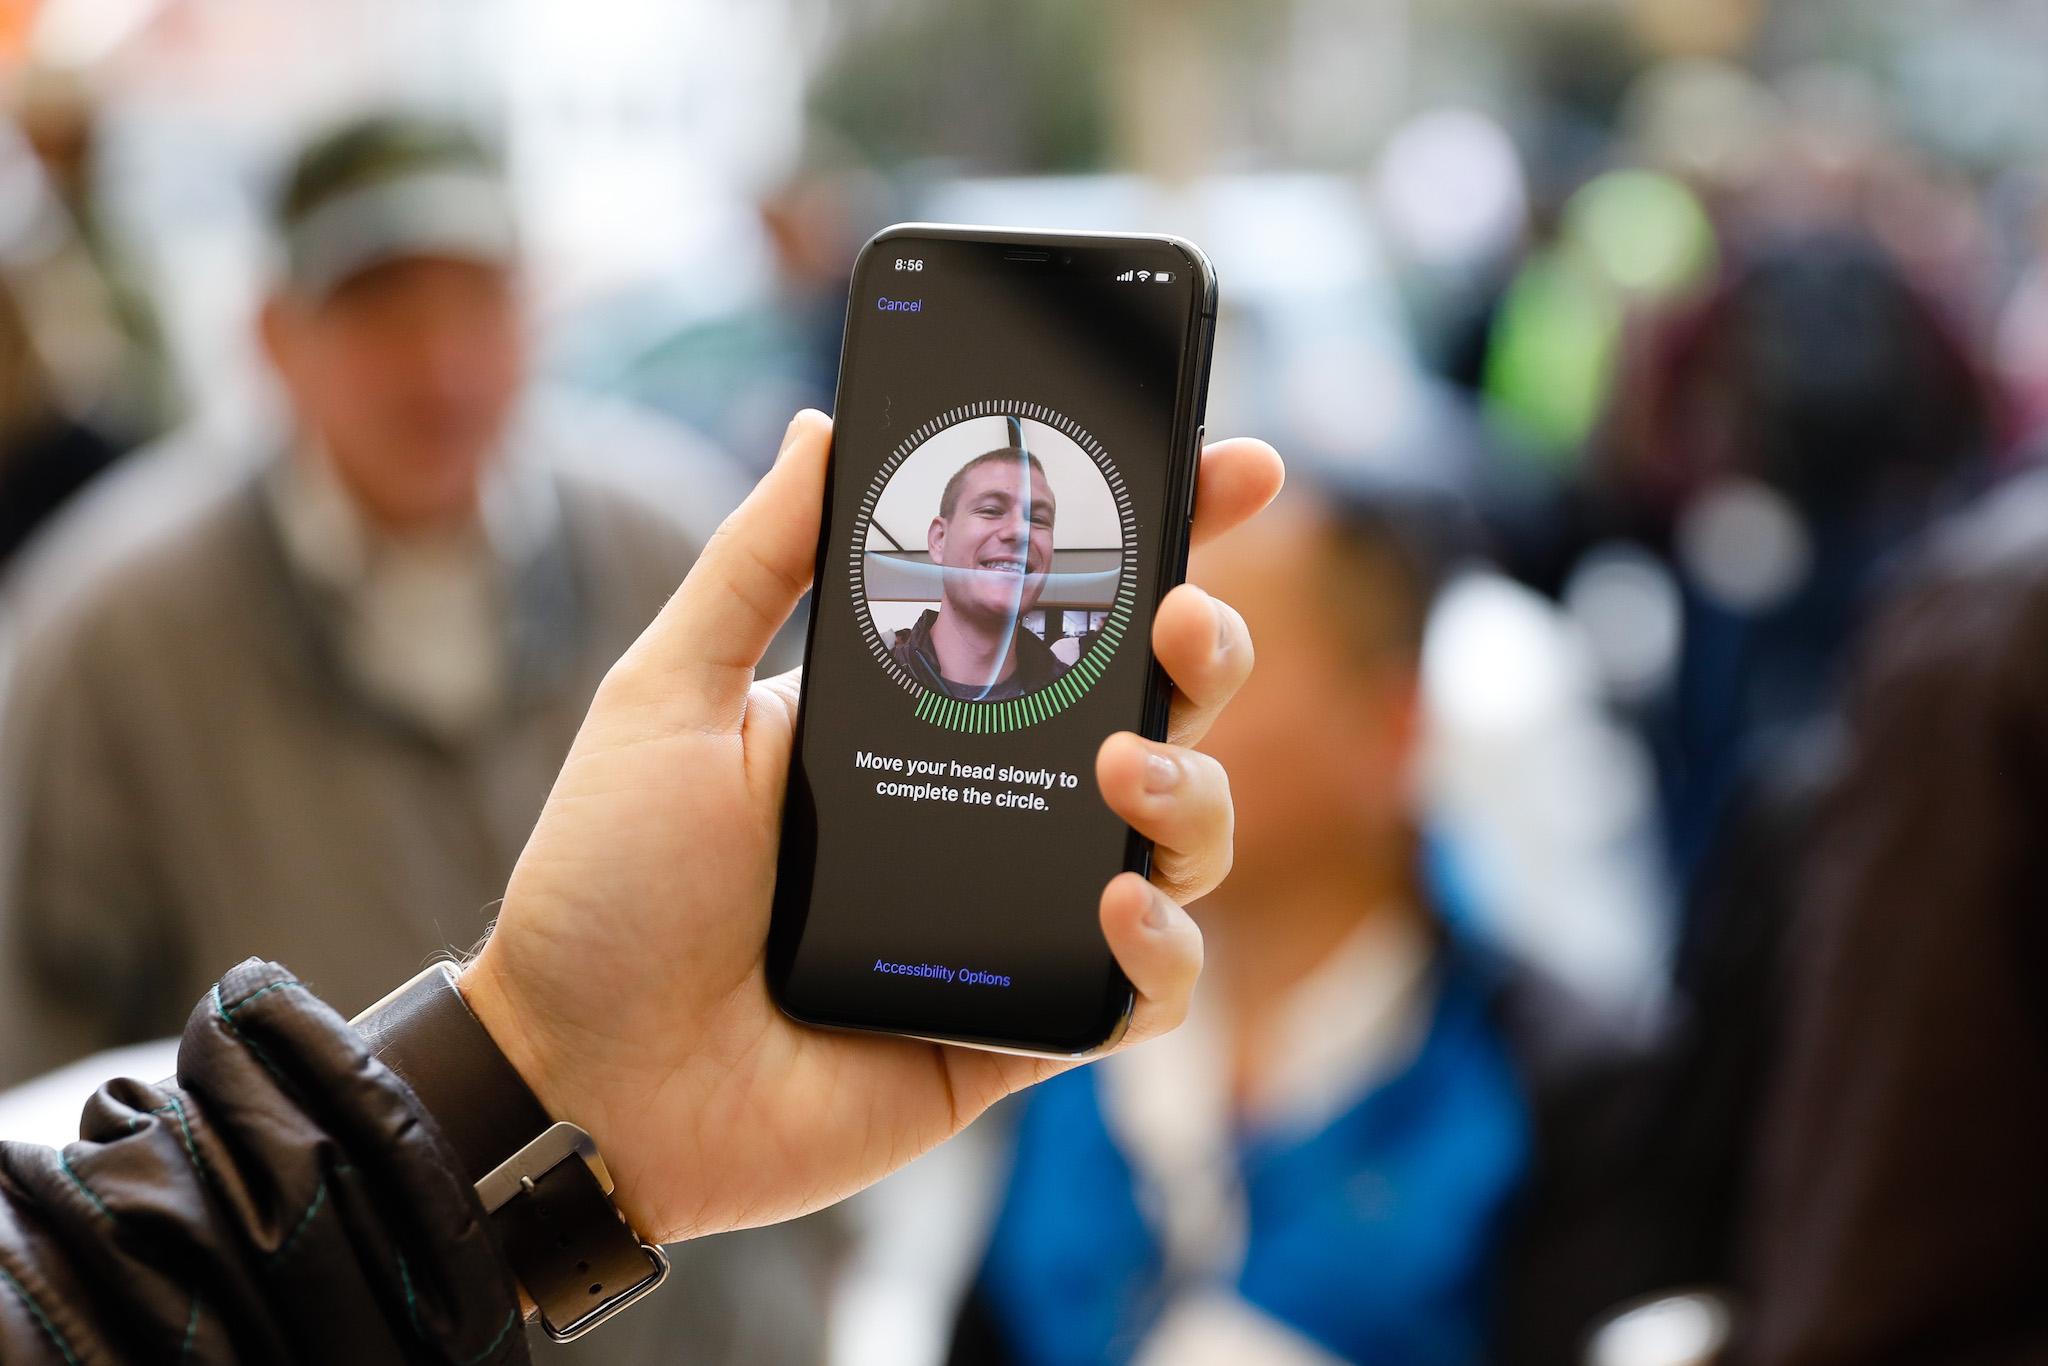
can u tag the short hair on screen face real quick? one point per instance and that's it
(949, 497)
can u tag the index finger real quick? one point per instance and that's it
(1238, 477)
(1206, 649)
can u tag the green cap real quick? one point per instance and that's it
(386, 186)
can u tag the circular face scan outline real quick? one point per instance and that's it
(985, 717)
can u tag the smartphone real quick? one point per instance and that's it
(1018, 425)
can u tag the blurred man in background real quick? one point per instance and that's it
(1791, 436)
(1378, 1140)
(1795, 430)
(317, 716)
(343, 687)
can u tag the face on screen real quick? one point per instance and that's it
(1017, 565)
(1005, 509)
(992, 536)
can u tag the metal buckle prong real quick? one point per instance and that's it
(556, 1144)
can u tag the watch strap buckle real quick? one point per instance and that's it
(516, 1174)
(520, 1175)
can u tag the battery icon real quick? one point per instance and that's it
(1162, 277)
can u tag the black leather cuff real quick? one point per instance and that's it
(542, 1183)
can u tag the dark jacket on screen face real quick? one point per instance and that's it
(1037, 665)
(284, 1199)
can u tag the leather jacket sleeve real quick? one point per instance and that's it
(283, 1199)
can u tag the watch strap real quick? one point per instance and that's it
(543, 1184)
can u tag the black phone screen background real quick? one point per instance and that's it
(944, 850)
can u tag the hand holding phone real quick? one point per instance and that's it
(625, 977)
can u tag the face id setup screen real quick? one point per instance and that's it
(993, 548)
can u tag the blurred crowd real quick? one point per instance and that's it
(1629, 957)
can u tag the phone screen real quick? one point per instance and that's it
(1012, 470)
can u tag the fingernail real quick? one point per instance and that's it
(1157, 911)
(1161, 774)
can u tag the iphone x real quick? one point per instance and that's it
(1018, 424)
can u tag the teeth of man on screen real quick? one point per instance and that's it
(905, 577)
(1002, 586)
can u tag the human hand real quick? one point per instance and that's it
(625, 977)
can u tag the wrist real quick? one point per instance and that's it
(507, 1015)
(463, 1043)
(497, 1009)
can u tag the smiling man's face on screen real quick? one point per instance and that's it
(993, 538)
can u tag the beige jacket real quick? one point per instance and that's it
(191, 779)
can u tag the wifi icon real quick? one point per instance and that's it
(1144, 275)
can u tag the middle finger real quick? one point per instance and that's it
(1177, 798)
(1206, 649)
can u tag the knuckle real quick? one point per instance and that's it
(1190, 722)
(622, 685)
(756, 580)
(1180, 879)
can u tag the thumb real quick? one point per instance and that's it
(696, 660)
